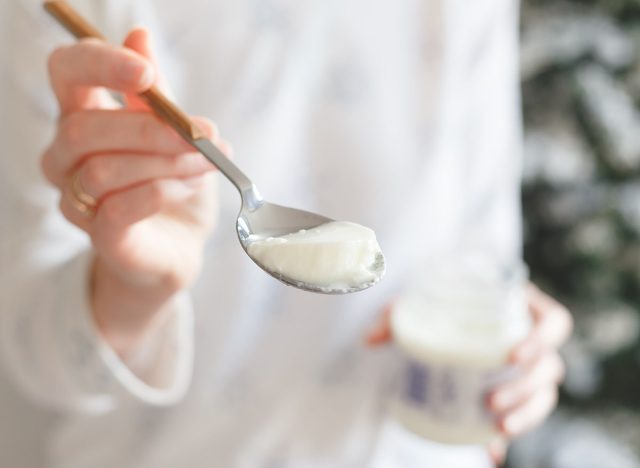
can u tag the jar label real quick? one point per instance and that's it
(452, 394)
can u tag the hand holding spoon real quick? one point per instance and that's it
(345, 256)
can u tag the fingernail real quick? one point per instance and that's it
(135, 72)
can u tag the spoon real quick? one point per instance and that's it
(257, 219)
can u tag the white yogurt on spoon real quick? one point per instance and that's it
(335, 255)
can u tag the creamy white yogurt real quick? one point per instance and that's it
(336, 255)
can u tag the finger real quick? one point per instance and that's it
(85, 133)
(128, 207)
(530, 414)
(381, 332)
(546, 371)
(497, 451)
(76, 70)
(102, 175)
(552, 325)
(139, 40)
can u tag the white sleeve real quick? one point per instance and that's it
(48, 341)
(54, 352)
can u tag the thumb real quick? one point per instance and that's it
(139, 40)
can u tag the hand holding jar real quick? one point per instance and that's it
(481, 346)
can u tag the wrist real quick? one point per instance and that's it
(127, 311)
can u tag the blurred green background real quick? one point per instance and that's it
(581, 96)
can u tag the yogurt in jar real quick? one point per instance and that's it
(456, 328)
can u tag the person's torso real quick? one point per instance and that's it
(390, 114)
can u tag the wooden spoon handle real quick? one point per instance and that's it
(161, 105)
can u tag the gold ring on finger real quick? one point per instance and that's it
(81, 200)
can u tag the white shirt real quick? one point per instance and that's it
(402, 116)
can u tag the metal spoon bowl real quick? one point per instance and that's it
(260, 220)
(270, 220)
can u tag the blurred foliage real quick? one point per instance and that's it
(581, 194)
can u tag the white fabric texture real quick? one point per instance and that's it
(402, 116)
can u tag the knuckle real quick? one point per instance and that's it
(73, 130)
(148, 131)
(54, 59)
(184, 163)
(110, 211)
(94, 176)
(507, 430)
(46, 165)
(179, 163)
(157, 193)
(91, 56)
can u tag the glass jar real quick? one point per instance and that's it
(456, 327)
